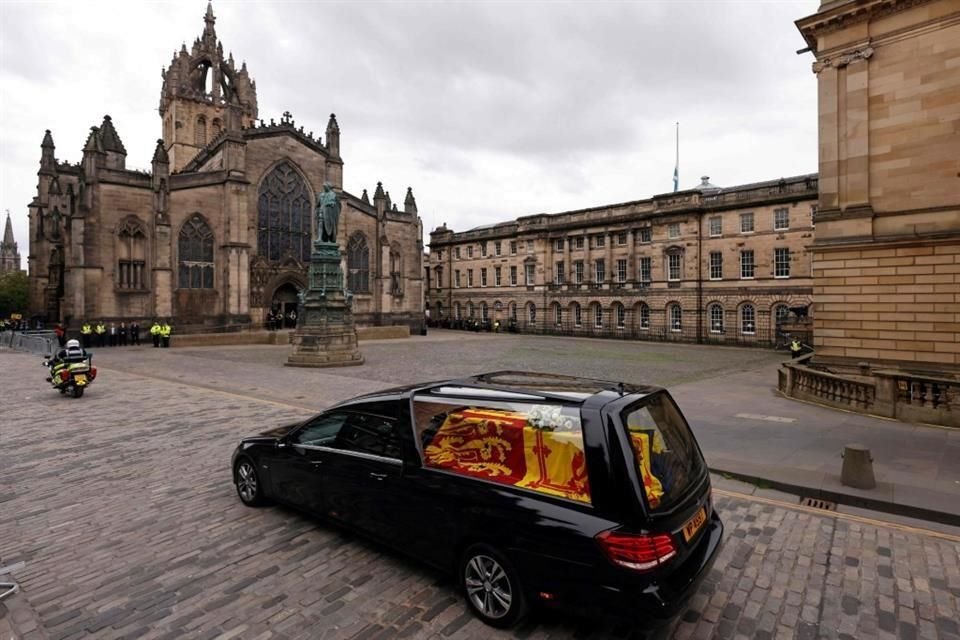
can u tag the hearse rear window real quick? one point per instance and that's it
(664, 451)
(529, 445)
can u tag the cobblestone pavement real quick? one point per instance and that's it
(118, 519)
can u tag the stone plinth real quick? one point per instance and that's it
(325, 335)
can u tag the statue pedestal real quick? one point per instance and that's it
(325, 335)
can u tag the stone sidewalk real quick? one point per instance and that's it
(744, 427)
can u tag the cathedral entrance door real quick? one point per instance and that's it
(285, 302)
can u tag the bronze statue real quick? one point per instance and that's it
(328, 214)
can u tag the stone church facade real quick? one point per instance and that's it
(9, 254)
(219, 230)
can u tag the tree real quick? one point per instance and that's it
(14, 291)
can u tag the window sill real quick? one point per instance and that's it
(781, 277)
(747, 278)
(118, 290)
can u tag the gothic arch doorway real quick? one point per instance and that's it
(285, 302)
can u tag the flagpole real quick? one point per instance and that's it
(676, 167)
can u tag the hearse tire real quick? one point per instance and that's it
(247, 481)
(491, 587)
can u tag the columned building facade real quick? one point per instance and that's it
(707, 264)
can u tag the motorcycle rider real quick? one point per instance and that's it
(70, 354)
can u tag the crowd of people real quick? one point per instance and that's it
(97, 333)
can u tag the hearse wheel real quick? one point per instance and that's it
(492, 588)
(248, 483)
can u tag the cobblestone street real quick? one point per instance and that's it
(118, 519)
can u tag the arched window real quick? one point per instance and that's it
(577, 315)
(439, 310)
(644, 316)
(748, 320)
(780, 313)
(557, 314)
(621, 314)
(284, 215)
(216, 126)
(597, 315)
(200, 133)
(513, 311)
(498, 306)
(456, 311)
(358, 264)
(532, 312)
(131, 255)
(716, 318)
(396, 270)
(675, 317)
(484, 311)
(469, 309)
(195, 254)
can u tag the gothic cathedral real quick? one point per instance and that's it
(218, 232)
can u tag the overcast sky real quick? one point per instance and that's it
(489, 110)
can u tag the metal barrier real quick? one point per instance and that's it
(42, 342)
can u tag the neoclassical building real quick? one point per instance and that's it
(219, 230)
(708, 264)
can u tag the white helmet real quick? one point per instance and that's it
(73, 344)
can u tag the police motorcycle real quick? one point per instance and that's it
(71, 370)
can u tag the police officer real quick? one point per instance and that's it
(165, 330)
(86, 334)
(101, 331)
(155, 333)
(796, 348)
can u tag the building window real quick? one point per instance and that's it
(439, 254)
(483, 248)
(780, 313)
(358, 264)
(716, 226)
(469, 309)
(716, 318)
(439, 278)
(673, 230)
(675, 314)
(646, 234)
(497, 247)
(621, 316)
(746, 223)
(577, 315)
(622, 270)
(484, 314)
(513, 247)
(558, 244)
(716, 265)
(557, 314)
(513, 311)
(621, 238)
(531, 312)
(529, 246)
(781, 219)
(513, 276)
(644, 316)
(600, 271)
(781, 262)
(645, 270)
(597, 315)
(469, 277)
(196, 254)
(470, 251)
(456, 278)
(578, 242)
(483, 277)
(456, 252)
(200, 134)
(529, 271)
(439, 309)
(457, 314)
(558, 278)
(131, 256)
(599, 241)
(748, 320)
(673, 266)
(284, 215)
(746, 265)
(578, 272)
(496, 276)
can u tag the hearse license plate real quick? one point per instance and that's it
(80, 378)
(693, 524)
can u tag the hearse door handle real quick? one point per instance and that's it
(317, 463)
(378, 476)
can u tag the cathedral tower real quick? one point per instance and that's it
(203, 93)
(9, 255)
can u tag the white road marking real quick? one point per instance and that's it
(755, 416)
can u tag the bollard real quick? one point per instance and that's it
(857, 469)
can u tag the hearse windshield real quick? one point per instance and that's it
(667, 457)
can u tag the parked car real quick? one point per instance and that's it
(529, 488)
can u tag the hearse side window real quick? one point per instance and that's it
(371, 434)
(321, 431)
(534, 446)
(666, 456)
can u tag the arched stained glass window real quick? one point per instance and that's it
(195, 254)
(284, 215)
(358, 264)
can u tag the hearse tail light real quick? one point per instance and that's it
(640, 552)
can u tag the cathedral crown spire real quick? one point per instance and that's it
(8, 231)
